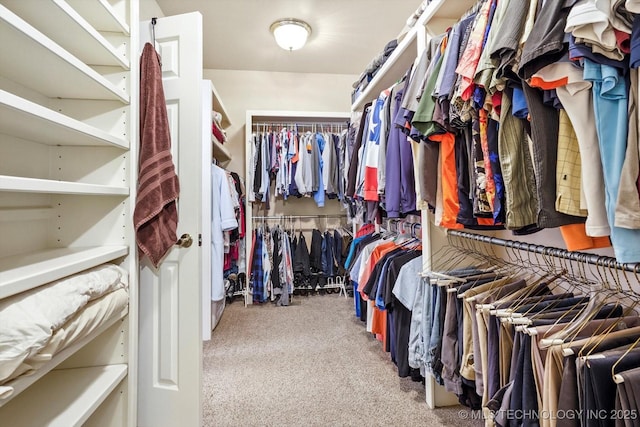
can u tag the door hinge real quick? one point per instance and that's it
(199, 239)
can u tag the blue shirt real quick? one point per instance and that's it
(318, 196)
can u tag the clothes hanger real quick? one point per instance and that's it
(599, 336)
(624, 295)
(616, 378)
(508, 274)
(448, 257)
(597, 301)
(550, 271)
(534, 287)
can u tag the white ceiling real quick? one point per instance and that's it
(346, 34)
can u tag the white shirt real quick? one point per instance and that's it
(223, 219)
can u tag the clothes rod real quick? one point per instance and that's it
(299, 216)
(301, 124)
(584, 257)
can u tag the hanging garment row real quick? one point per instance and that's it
(289, 162)
(227, 233)
(522, 115)
(283, 263)
(379, 265)
(531, 339)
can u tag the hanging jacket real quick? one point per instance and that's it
(301, 260)
(316, 251)
(276, 255)
(337, 252)
(328, 266)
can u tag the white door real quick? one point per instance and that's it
(170, 336)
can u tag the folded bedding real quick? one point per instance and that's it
(95, 314)
(29, 320)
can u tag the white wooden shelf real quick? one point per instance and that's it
(220, 152)
(27, 120)
(220, 108)
(19, 273)
(101, 15)
(441, 14)
(23, 382)
(34, 185)
(438, 15)
(64, 75)
(64, 398)
(58, 20)
(392, 70)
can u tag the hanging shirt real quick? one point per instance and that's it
(304, 170)
(319, 147)
(223, 219)
(372, 148)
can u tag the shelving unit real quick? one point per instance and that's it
(28, 120)
(86, 389)
(67, 185)
(23, 272)
(57, 19)
(437, 17)
(65, 76)
(23, 383)
(32, 185)
(220, 152)
(213, 103)
(220, 108)
(102, 16)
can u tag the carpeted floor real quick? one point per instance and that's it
(309, 364)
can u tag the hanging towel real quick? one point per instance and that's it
(156, 216)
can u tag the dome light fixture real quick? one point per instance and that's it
(290, 34)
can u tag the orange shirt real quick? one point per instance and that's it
(449, 177)
(379, 324)
(576, 239)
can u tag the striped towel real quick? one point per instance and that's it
(155, 216)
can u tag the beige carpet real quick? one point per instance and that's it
(309, 364)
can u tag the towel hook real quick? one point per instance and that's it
(154, 20)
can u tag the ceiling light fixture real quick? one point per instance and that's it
(290, 34)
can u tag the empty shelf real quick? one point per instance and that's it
(63, 398)
(64, 75)
(220, 152)
(101, 15)
(59, 21)
(20, 273)
(219, 107)
(22, 383)
(34, 185)
(24, 119)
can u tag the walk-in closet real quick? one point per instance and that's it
(336, 213)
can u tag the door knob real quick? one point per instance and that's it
(184, 241)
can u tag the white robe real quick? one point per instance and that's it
(223, 219)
